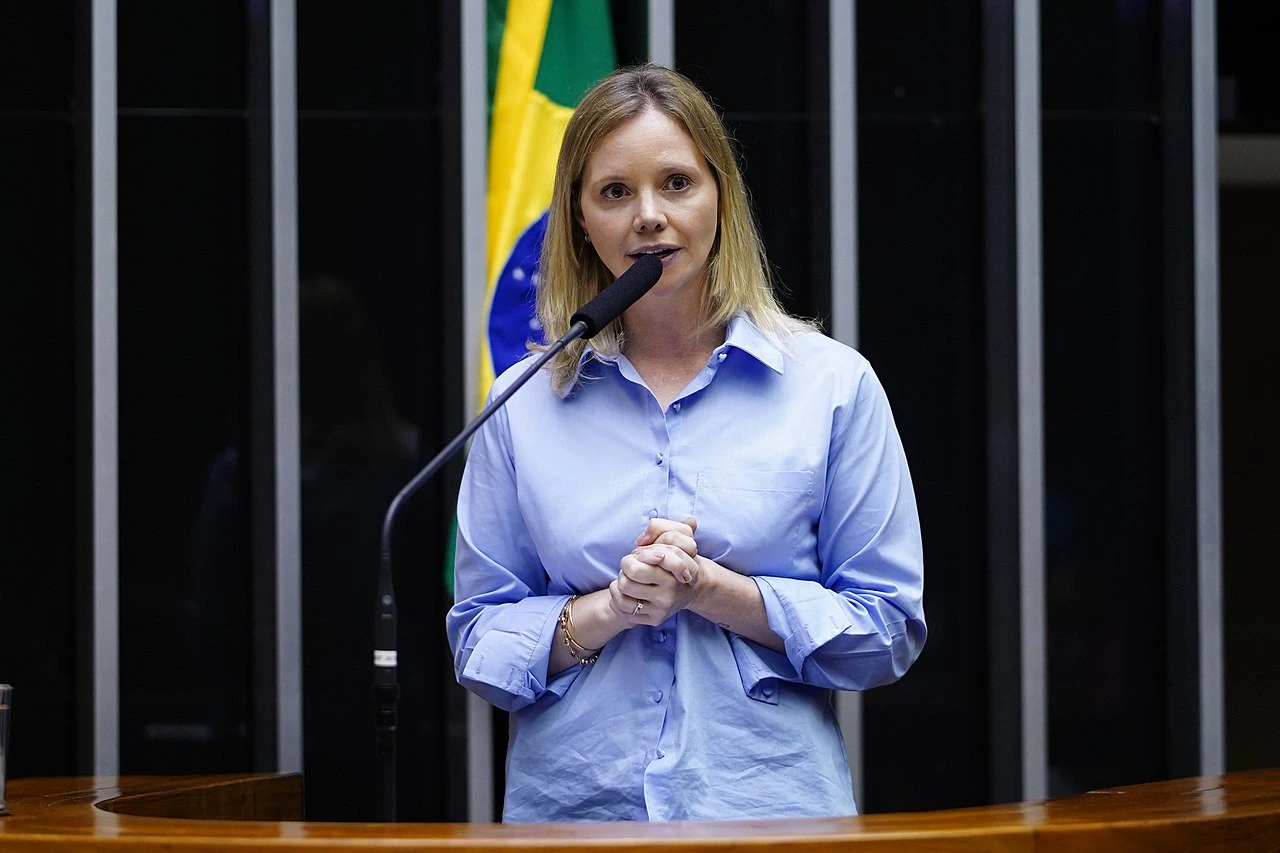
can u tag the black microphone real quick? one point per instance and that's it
(606, 307)
(609, 303)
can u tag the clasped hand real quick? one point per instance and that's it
(661, 575)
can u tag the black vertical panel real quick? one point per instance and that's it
(1248, 97)
(1004, 498)
(379, 319)
(630, 19)
(1105, 370)
(1249, 253)
(921, 237)
(37, 57)
(1177, 272)
(765, 67)
(82, 120)
(444, 730)
(43, 292)
(260, 438)
(183, 56)
(1250, 220)
(185, 594)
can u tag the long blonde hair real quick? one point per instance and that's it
(570, 272)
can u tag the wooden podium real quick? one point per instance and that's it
(1236, 812)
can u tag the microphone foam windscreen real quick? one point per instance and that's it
(609, 303)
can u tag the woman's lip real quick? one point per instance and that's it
(665, 259)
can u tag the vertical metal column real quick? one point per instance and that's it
(105, 442)
(475, 147)
(662, 32)
(843, 31)
(1026, 41)
(1204, 134)
(288, 447)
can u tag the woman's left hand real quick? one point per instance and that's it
(679, 534)
(647, 590)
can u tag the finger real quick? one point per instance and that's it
(669, 558)
(622, 603)
(657, 556)
(644, 570)
(633, 609)
(647, 555)
(629, 588)
(679, 540)
(652, 583)
(657, 526)
(648, 592)
(657, 599)
(616, 598)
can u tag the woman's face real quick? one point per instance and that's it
(647, 190)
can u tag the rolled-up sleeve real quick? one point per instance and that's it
(503, 621)
(862, 625)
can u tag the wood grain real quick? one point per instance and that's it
(1236, 812)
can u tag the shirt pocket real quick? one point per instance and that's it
(752, 521)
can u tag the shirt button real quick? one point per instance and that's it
(659, 459)
(662, 636)
(653, 513)
(675, 406)
(657, 696)
(721, 356)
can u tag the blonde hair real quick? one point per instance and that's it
(570, 272)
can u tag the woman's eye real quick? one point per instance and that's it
(614, 191)
(679, 182)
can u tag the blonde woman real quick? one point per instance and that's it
(681, 537)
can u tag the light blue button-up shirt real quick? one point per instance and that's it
(790, 462)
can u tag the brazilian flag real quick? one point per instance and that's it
(543, 56)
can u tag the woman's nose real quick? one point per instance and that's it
(650, 215)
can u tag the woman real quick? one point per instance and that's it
(680, 538)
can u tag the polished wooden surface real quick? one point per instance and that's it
(1237, 812)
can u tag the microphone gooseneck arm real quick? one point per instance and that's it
(602, 310)
(386, 689)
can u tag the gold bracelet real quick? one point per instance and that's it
(577, 651)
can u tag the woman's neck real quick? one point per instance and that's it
(668, 349)
(672, 342)
(668, 332)
(669, 324)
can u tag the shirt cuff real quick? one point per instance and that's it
(508, 665)
(805, 614)
(760, 668)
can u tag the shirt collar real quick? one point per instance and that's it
(589, 353)
(741, 334)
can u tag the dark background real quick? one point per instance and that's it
(381, 325)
